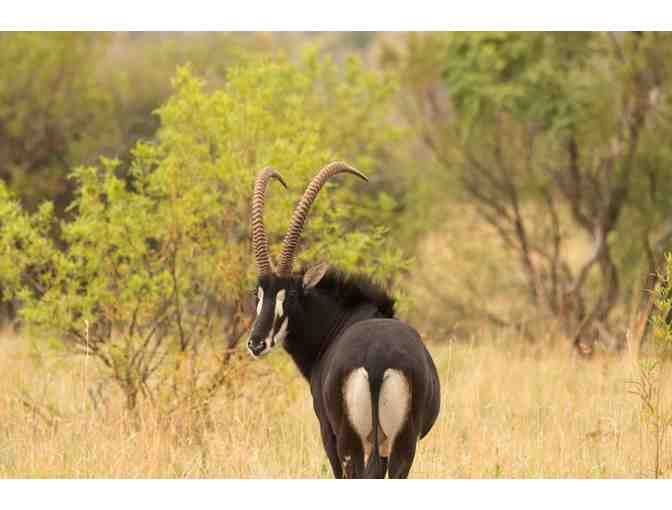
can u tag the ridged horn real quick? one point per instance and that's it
(259, 239)
(301, 212)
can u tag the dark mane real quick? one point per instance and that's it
(353, 290)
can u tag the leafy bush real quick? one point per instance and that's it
(54, 112)
(155, 275)
(68, 97)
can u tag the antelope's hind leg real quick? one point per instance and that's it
(329, 442)
(403, 452)
(350, 451)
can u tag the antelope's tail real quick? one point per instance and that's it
(376, 467)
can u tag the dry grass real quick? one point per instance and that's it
(505, 413)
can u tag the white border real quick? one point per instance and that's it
(325, 495)
(339, 15)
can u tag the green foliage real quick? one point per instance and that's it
(554, 139)
(156, 264)
(138, 88)
(25, 245)
(67, 98)
(535, 76)
(653, 371)
(662, 317)
(53, 111)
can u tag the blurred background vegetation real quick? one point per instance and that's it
(519, 181)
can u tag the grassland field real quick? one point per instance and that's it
(522, 412)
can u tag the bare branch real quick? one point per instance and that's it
(557, 239)
(599, 244)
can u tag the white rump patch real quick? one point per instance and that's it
(357, 398)
(393, 407)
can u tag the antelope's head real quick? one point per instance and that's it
(278, 291)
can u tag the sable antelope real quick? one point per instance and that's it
(374, 385)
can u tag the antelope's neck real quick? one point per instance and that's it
(322, 321)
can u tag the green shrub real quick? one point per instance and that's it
(653, 370)
(54, 111)
(155, 275)
(662, 317)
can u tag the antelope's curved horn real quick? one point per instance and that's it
(302, 208)
(259, 239)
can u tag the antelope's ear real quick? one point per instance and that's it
(314, 274)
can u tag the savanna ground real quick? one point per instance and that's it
(510, 413)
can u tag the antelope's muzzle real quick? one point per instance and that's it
(261, 334)
(256, 345)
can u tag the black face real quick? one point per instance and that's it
(274, 298)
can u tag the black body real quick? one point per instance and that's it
(339, 323)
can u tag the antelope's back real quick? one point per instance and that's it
(378, 345)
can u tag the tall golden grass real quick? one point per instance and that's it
(510, 412)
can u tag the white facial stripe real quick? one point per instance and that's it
(260, 296)
(279, 301)
(282, 333)
(272, 340)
